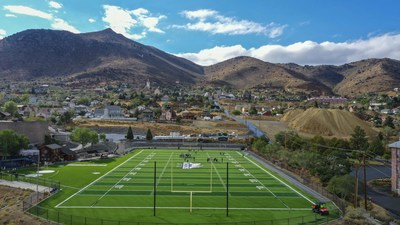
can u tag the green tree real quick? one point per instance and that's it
(236, 113)
(83, 101)
(343, 186)
(149, 135)
(129, 135)
(359, 140)
(253, 111)
(84, 136)
(376, 147)
(388, 122)
(11, 107)
(103, 137)
(11, 143)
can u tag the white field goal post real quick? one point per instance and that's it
(190, 191)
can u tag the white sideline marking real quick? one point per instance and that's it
(278, 179)
(166, 207)
(96, 180)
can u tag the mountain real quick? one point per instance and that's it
(105, 56)
(248, 73)
(365, 76)
(90, 57)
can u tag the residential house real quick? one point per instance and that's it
(168, 115)
(4, 115)
(395, 179)
(113, 111)
(188, 115)
(147, 114)
(387, 111)
(50, 153)
(165, 98)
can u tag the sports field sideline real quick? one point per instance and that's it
(189, 180)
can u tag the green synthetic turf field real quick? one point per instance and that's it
(123, 190)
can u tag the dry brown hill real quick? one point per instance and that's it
(368, 76)
(247, 73)
(326, 122)
(89, 58)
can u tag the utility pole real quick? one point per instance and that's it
(365, 183)
(356, 185)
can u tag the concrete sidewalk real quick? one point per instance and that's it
(24, 185)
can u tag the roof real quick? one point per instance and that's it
(53, 146)
(395, 145)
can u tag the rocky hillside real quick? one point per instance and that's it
(97, 56)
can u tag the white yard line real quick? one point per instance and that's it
(84, 188)
(291, 188)
(97, 200)
(258, 181)
(166, 207)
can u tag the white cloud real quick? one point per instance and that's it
(201, 14)
(123, 21)
(3, 33)
(211, 21)
(56, 23)
(19, 9)
(63, 25)
(55, 5)
(10, 15)
(91, 20)
(306, 53)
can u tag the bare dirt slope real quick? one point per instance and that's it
(326, 122)
(11, 207)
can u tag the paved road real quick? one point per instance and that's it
(257, 132)
(388, 202)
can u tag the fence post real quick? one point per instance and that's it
(315, 219)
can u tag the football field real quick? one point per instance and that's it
(189, 180)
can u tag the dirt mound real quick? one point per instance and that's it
(326, 122)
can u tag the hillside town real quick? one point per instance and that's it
(253, 113)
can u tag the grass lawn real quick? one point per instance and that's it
(195, 189)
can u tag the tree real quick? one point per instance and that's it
(11, 143)
(149, 135)
(376, 147)
(11, 107)
(358, 140)
(253, 111)
(84, 136)
(84, 100)
(129, 135)
(343, 186)
(389, 122)
(236, 113)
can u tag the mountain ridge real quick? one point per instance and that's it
(105, 56)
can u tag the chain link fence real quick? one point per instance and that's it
(68, 219)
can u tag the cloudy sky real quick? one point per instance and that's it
(209, 31)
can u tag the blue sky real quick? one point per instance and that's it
(210, 31)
